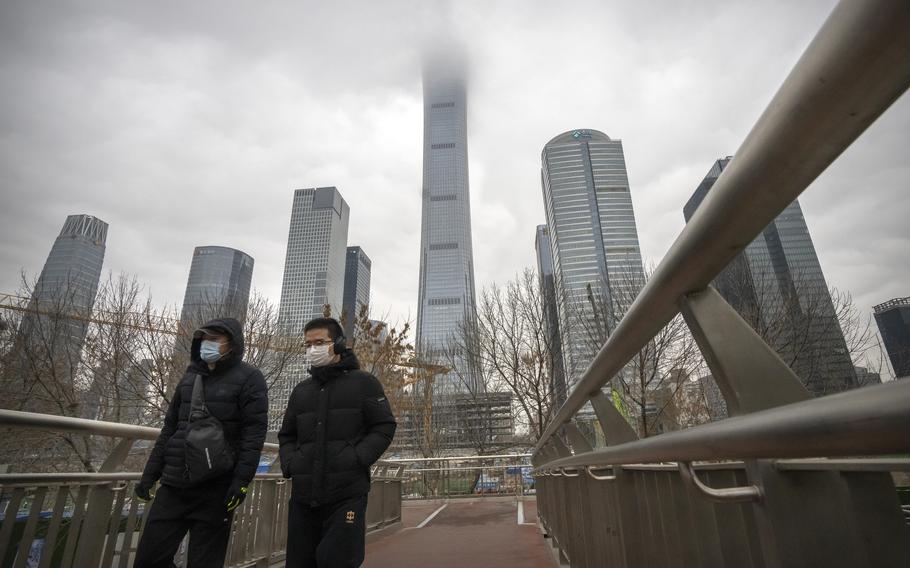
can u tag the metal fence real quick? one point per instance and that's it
(465, 476)
(93, 519)
(646, 502)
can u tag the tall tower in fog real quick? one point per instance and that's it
(446, 288)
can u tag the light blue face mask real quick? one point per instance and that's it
(210, 351)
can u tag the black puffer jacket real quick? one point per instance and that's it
(235, 394)
(337, 424)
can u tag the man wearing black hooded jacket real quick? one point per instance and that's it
(337, 424)
(236, 394)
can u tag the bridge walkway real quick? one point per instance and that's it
(474, 532)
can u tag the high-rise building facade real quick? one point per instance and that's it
(356, 286)
(314, 269)
(218, 286)
(777, 285)
(597, 265)
(73, 267)
(893, 319)
(52, 331)
(543, 248)
(315, 261)
(446, 287)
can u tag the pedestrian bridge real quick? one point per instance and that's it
(787, 480)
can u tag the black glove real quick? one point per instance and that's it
(143, 490)
(235, 496)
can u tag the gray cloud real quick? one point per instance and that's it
(188, 124)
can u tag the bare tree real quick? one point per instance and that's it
(478, 410)
(43, 372)
(817, 331)
(652, 384)
(271, 351)
(119, 362)
(510, 346)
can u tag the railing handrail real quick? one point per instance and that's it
(852, 71)
(870, 421)
(468, 468)
(52, 422)
(455, 458)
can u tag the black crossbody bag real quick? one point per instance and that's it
(208, 455)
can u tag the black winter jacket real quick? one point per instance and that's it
(235, 394)
(337, 424)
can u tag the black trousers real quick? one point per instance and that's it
(326, 536)
(199, 510)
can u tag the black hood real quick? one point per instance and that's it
(232, 328)
(348, 362)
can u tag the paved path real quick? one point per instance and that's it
(472, 533)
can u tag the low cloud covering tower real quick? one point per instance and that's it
(446, 287)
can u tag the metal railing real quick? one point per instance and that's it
(604, 508)
(93, 519)
(464, 476)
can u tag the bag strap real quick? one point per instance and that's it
(197, 406)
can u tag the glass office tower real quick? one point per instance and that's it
(777, 285)
(356, 286)
(315, 260)
(893, 320)
(597, 265)
(53, 329)
(313, 277)
(543, 248)
(218, 286)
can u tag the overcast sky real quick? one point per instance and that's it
(191, 123)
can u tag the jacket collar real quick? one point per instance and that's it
(347, 363)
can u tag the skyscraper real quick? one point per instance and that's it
(73, 267)
(315, 261)
(356, 286)
(777, 285)
(597, 268)
(313, 276)
(544, 250)
(446, 287)
(218, 286)
(893, 319)
(53, 329)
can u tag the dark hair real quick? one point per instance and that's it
(329, 324)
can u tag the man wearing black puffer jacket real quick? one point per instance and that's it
(337, 424)
(236, 394)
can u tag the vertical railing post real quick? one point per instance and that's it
(803, 518)
(98, 513)
(265, 523)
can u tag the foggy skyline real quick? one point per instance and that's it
(192, 125)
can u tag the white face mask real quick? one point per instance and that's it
(319, 355)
